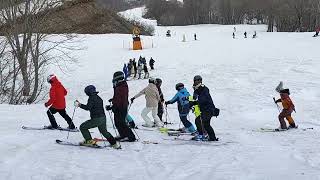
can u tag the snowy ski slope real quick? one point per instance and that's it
(241, 74)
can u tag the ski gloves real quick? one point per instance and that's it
(132, 99)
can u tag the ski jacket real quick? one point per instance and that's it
(151, 94)
(195, 109)
(183, 104)
(57, 95)
(202, 95)
(95, 106)
(120, 96)
(287, 102)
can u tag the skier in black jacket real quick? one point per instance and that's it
(207, 108)
(120, 107)
(98, 118)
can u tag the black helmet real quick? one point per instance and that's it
(197, 78)
(152, 80)
(158, 81)
(90, 90)
(179, 86)
(118, 76)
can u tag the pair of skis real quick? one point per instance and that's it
(48, 128)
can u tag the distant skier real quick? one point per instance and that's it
(245, 34)
(152, 99)
(195, 36)
(135, 69)
(57, 103)
(233, 35)
(146, 72)
(288, 108)
(160, 104)
(181, 98)
(98, 118)
(140, 68)
(125, 71)
(151, 63)
(234, 29)
(254, 35)
(203, 98)
(317, 32)
(120, 107)
(168, 33)
(129, 66)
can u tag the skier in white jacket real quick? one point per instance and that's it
(152, 98)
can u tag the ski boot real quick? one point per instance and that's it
(198, 138)
(116, 146)
(90, 142)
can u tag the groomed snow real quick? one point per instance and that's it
(241, 74)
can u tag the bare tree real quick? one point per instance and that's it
(30, 51)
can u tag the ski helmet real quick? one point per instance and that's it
(90, 90)
(118, 76)
(197, 78)
(51, 78)
(179, 86)
(152, 80)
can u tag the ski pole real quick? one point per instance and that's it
(135, 132)
(74, 110)
(274, 99)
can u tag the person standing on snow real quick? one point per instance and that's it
(160, 104)
(135, 69)
(98, 118)
(181, 98)
(120, 107)
(203, 98)
(245, 34)
(57, 103)
(288, 108)
(146, 72)
(151, 63)
(152, 99)
(125, 71)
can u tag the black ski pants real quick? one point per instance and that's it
(121, 123)
(51, 111)
(203, 123)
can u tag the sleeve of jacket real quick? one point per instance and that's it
(174, 99)
(52, 96)
(87, 107)
(140, 93)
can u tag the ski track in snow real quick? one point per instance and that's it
(241, 75)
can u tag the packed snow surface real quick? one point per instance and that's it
(241, 75)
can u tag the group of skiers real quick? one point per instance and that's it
(132, 68)
(200, 103)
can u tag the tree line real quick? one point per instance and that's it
(279, 15)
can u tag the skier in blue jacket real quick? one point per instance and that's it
(181, 98)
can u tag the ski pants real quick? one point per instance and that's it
(120, 122)
(285, 113)
(62, 113)
(186, 123)
(160, 111)
(155, 116)
(101, 124)
(203, 123)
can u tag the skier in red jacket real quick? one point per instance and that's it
(57, 103)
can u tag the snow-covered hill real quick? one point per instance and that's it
(241, 74)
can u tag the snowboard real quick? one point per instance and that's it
(46, 128)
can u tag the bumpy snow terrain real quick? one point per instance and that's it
(241, 74)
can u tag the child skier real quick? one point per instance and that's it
(152, 98)
(57, 103)
(146, 72)
(98, 118)
(207, 108)
(120, 107)
(288, 108)
(139, 71)
(181, 98)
